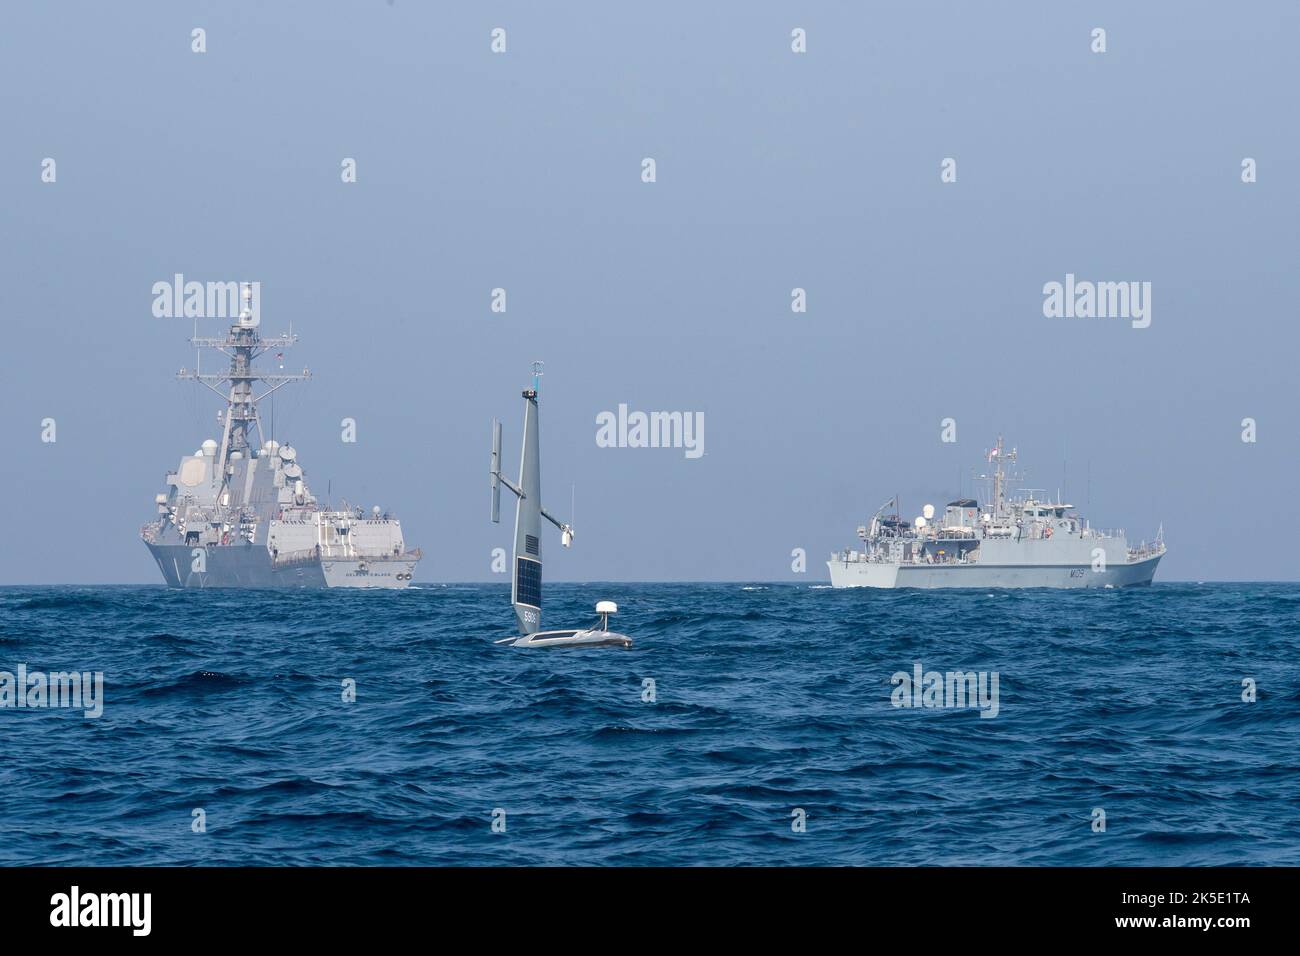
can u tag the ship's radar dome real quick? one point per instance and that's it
(209, 447)
(919, 522)
(928, 512)
(375, 511)
(606, 607)
(287, 453)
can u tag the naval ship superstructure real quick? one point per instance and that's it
(1009, 541)
(238, 513)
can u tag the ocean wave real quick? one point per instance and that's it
(336, 728)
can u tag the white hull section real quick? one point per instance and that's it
(872, 574)
(579, 638)
(367, 573)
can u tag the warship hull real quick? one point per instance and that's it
(252, 567)
(880, 574)
(238, 512)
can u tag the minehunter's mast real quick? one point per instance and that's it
(999, 477)
(242, 344)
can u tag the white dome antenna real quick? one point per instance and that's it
(605, 609)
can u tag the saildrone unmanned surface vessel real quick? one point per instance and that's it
(526, 586)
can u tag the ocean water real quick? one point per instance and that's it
(768, 700)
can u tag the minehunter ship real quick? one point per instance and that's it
(240, 515)
(1011, 541)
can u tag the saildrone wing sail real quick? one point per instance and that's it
(526, 592)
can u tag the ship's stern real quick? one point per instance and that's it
(392, 573)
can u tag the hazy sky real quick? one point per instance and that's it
(775, 170)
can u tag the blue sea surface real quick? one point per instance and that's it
(768, 699)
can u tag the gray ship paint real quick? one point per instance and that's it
(1006, 542)
(239, 512)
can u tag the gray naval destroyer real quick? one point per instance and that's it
(1009, 541)
(239, 514)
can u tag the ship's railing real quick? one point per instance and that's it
(879, 557)
(935, 559)
(1145, 550)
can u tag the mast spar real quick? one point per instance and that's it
(242, 344)
(526, 587)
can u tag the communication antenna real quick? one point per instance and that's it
(242, 344)
(1065, 471)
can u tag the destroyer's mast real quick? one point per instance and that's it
(242, 344)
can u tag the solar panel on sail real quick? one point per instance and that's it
(528, 582)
